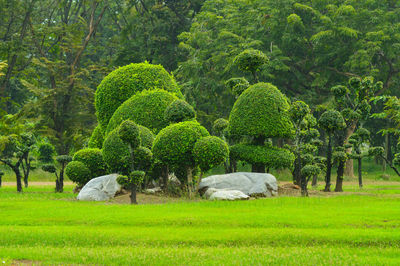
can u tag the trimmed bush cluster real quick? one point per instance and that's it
(126, 81)
(145, 108)
(128, 132)
(220, 127)
(261, 110)
(78, 172)
(209, 152)
(93, 160)
(179, 111)
(146, 137)
(174, 144)
(116, 153)
(97, 138)
(250, 60)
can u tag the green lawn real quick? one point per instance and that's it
(46, 228)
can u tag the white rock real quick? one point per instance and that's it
(251, 184)
(222, 194)
(100, 188)
(152, 190)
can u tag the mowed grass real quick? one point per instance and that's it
(41, 227)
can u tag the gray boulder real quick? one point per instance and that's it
(251, 184)
(222, 194)
(100, 188)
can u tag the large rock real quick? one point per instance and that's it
(100, 188)
(251, 184)
(222, 194)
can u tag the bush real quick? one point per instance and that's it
(145, 108)
(116, 153)
(126, 81)
(128, 132)
(93, 160)
(78, 173)
(63, 159)
(179, 111)
(331, 120)
(96, 139)
(46, 152)
(209, 152)
(174, 144)
(261, 110)
(250, 60)
(271, 157)
(146, 137)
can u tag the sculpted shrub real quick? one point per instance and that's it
(179, 111)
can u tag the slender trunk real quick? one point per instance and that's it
(296, 171)
(360, 183)
(133, 194)
(18, 176)
(339, 179)
(62, 179)
(349, 169)
(189, 181)
(386, 151)
(328, 166)
(304, 191)
(0, 179)
(315, 181)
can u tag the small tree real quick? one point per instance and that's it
(260, 113)
(220, 129)
(179, 111)
(250, 60)
(174, 146)
(11, 154)
(28, 145)
(330, 121)
(237, 85)
(357, 140)
(133, 180)
(1, 176)
(62, 161)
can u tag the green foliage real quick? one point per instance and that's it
(124, 82)
(310, 170)
(93, 160)
(134, 178)
(174, 144)
(63, 159)
(49, 168)
(376, 151)
(220, 127)
(237, 85)
(129, 133)
(78, 172)
(46, 152)
(146, 137)
(261, 110)
(143, 158)
(250, 60)
(271, 157)
(97, 138)
(210, 152)
(145, 108)
(331, 121)
(298, 111)
(116, 153)
(179, 111)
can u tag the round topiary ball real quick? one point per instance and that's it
(143, 158)
(93, 160)
(209, 152)
(179, 111)
(250, 60)
(261, 110)
(174, 144)
(124, 82)
(129, 133)
(146, 137)
(145, 108)
(116, 153)
(78, 173)
(220, 126)
(97, 138)
(46, 152)
(331, 120)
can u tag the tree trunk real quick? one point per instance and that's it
(190, 181)
(296, 171)
(339, 179)
(61, 179)
(315, 181)
(19, 177)
(133, 194)
(304, 191)
(258, 168)
(0, 179)
(349, 169)
(328, 166)
(360, 183)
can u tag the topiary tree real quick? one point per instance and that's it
(357, 140)
(146, 137)
(145, 108)
(133, 180)
(62, 161)
(93, 160)
(116, 153)
(126, 81)
(179, 111)
(330, 121)
(96, 139)
(46, 153)
(250, 60)
(261, 112)
(174, 145)
(209, 152)
(220, 128)
(78, 173)
(237, 85)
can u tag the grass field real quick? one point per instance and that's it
(357, 228)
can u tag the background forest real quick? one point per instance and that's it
(53, 55)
